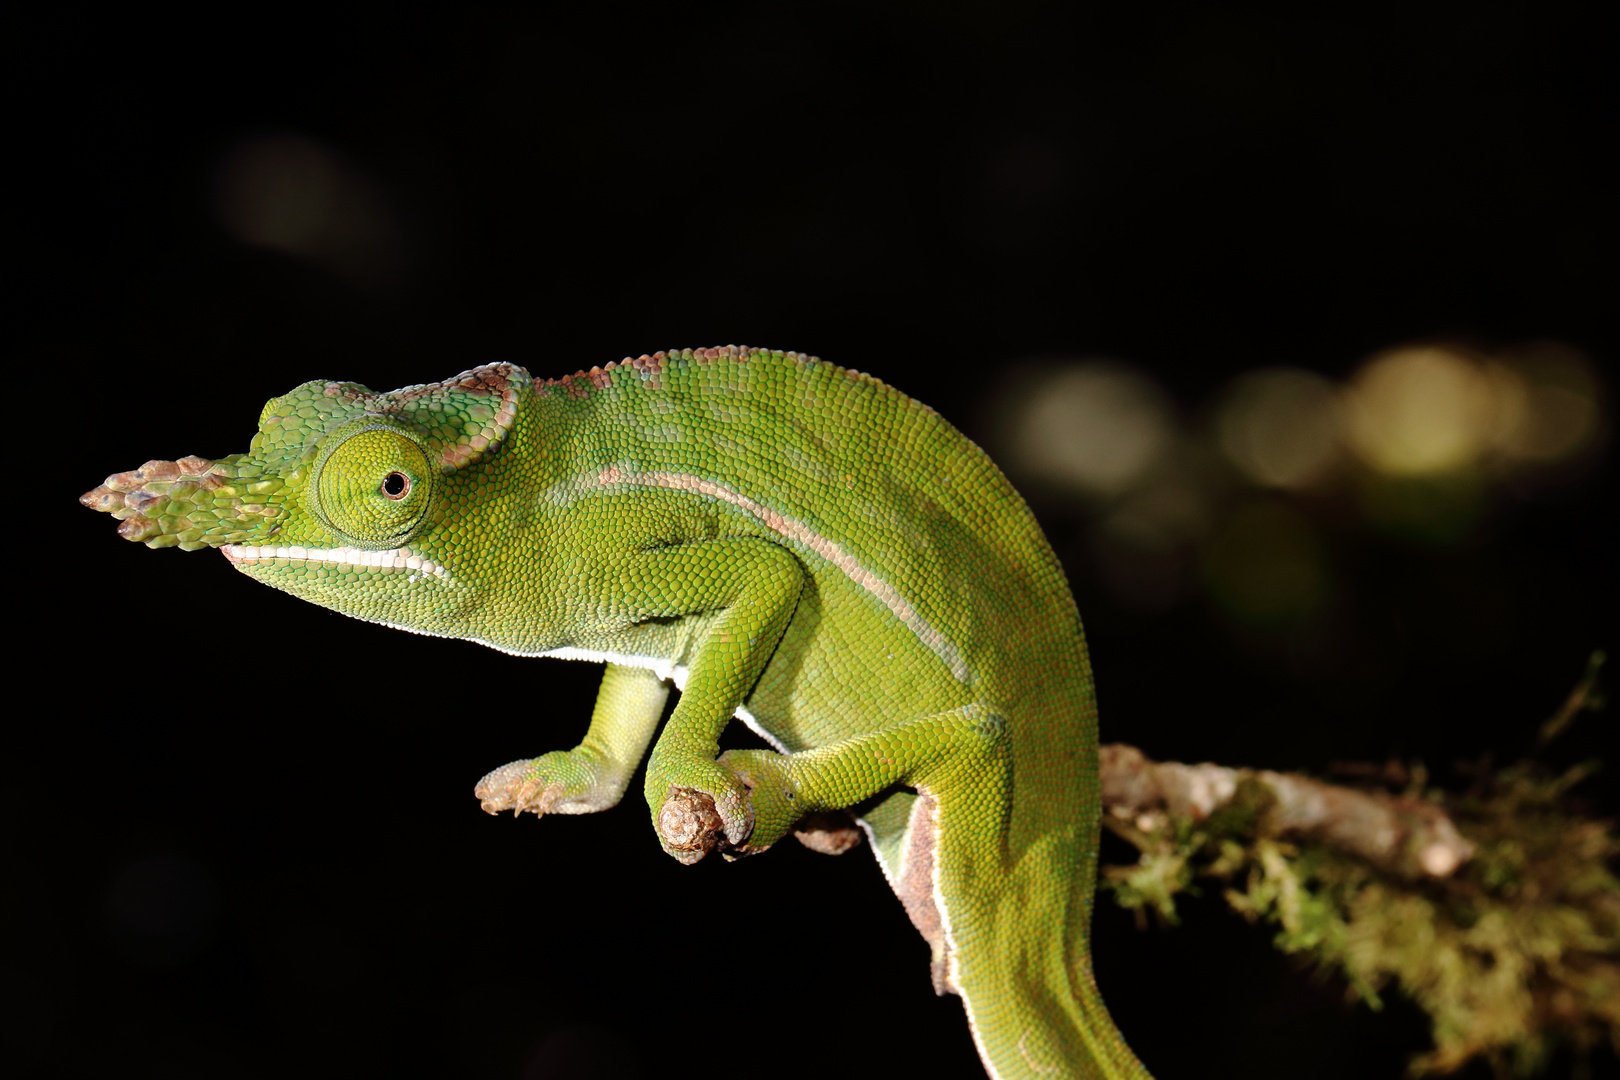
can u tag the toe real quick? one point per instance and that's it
(495, 791)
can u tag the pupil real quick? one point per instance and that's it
(395, 485)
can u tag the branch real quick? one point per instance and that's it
(1402, 835)
(1496, 910)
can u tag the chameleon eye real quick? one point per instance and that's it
(396, 485)
(351, 499)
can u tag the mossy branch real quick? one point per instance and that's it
(1496, 910)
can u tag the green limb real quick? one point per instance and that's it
(959, 762)
(593, 775)
(919, 752)
(749, 589)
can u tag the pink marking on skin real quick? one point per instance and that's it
(800, 533)
(649, 367)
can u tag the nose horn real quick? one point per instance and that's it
(191, 503)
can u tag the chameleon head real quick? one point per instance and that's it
(367, 495)
(341, 487)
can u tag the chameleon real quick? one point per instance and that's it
(792, 544)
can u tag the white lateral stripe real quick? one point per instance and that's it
(751, 722)
(952, 975)
(664, 669)
(871, 842)
(393, 559)
(953, 970)
(799, 532)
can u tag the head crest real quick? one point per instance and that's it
(463, 419)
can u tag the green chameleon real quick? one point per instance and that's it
(794, 544)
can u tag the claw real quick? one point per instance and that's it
(526, 794)
(517, 787)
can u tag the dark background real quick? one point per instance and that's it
(238, 832)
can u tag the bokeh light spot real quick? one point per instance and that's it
(280, 192)
(1551, 404)
(290, 194)
(1094, 428)
(1282, 427)
(1421, 411)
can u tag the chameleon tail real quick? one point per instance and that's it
(1010, 935)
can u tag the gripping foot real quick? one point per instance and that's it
(689, 825)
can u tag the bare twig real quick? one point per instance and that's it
(1584, 696)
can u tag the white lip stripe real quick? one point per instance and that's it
(799, 532)
(393, 559)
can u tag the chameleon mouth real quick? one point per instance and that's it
(339, 557)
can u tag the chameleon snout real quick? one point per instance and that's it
(190, 503)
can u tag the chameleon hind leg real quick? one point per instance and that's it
(1005, 913)
(968, 744)
(961, 758)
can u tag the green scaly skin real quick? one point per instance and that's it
(794, 544)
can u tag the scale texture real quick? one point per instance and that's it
(789, 542)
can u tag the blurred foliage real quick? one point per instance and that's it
(1516, 952)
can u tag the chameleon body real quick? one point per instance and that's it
(793, 544)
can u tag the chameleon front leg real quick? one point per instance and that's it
(753, 587)
(593, 775)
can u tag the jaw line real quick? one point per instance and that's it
(400, 558)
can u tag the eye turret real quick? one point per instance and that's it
(374, 487)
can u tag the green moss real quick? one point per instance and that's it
(1516, 952)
